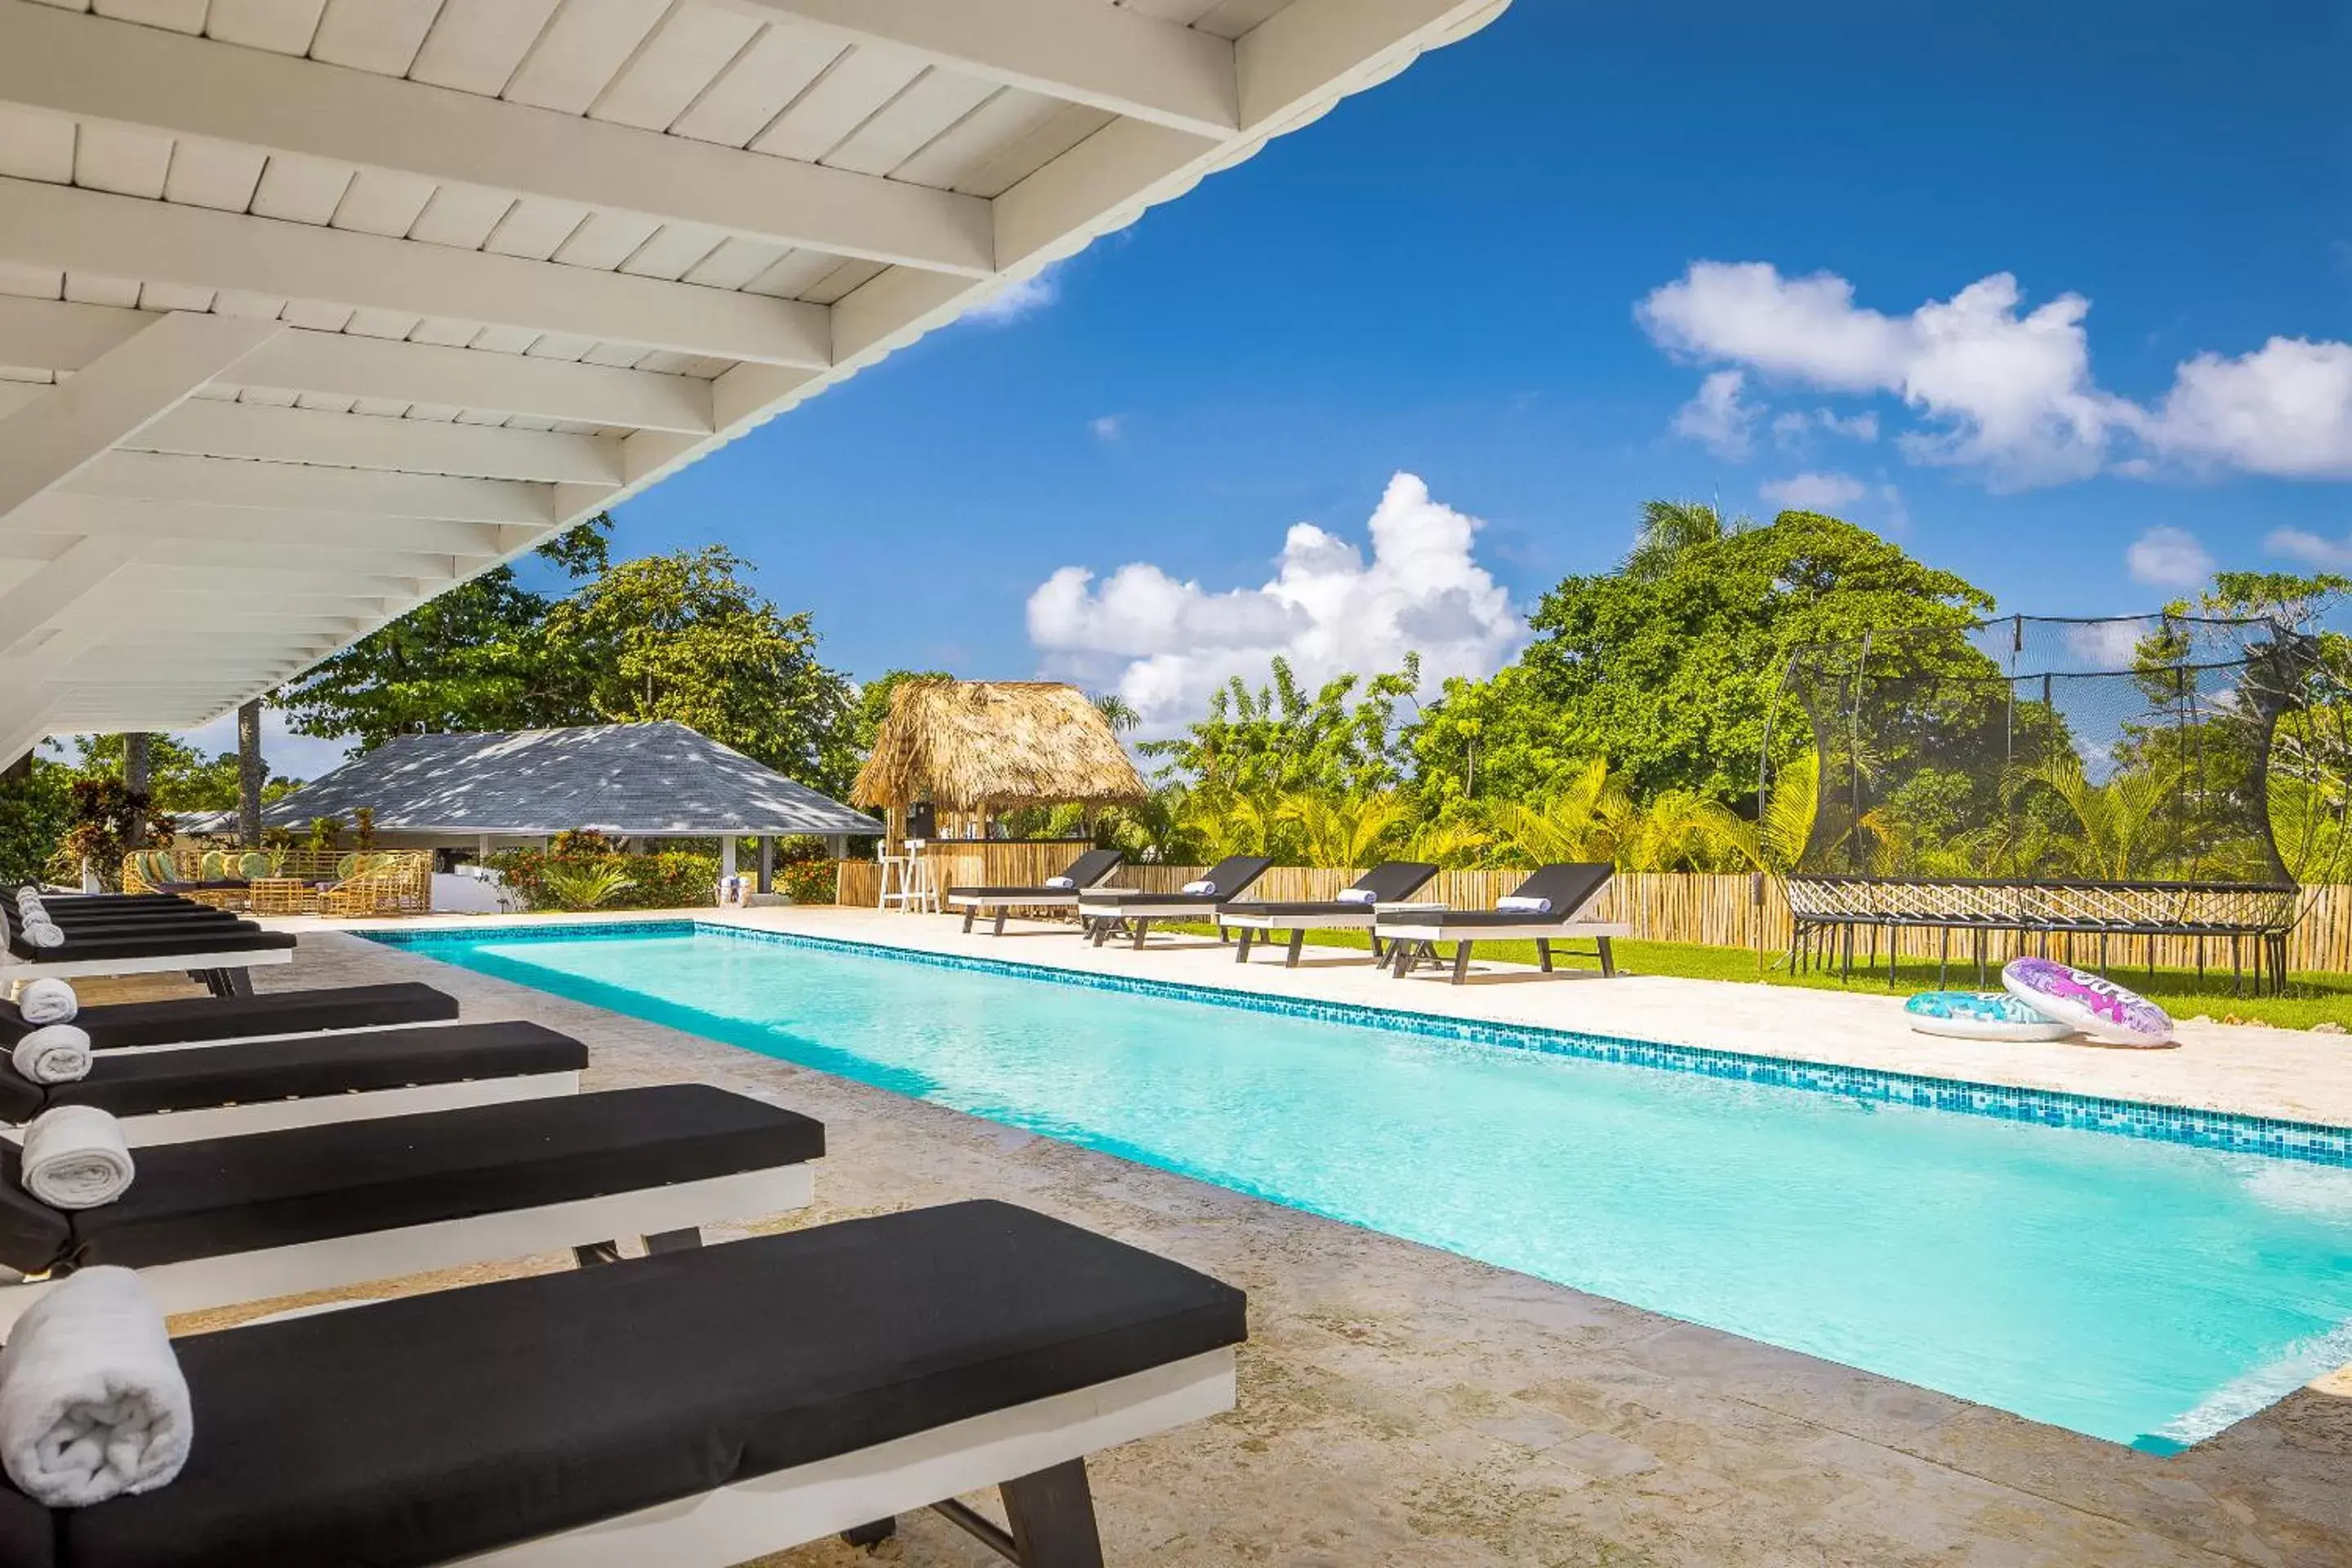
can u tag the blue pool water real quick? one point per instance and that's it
(2141, 1290)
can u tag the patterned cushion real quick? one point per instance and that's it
(213, 867)
(253, 865)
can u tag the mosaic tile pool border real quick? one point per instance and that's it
(2310, 1142)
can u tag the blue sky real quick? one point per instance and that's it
(1458, 276)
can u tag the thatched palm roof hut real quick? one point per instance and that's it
(984, 747)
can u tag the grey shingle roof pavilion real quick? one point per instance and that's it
(631, 780)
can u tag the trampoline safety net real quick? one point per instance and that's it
(2150, 774)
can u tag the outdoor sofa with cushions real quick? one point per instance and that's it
(1083, 873)
(313, 1208)
(206, 1020)
(692, 1410)
(1106, 910)
(1559, 895)
(261, 1086)
(1388, 884)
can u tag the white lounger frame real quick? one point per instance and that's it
(1142, 910)
(751, 1518)
(325, 1109)
(1543, 933)
(1362, 917)
(106, 1051)
(342, 1260)
(15, 972)
(971, 904)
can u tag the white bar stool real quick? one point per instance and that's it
(918, 891)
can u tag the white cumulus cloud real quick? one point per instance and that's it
(1014, 300)
(1815, 492)
(2166, 557)
(1796, 429)
(1165, 643)
(2284, 409)
(2311, 549)
(1108, 427)
(1718, 418)
(2008, 391)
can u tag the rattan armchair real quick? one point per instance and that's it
(387, 883)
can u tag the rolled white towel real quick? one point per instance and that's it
(54, 1053)
(1063, 884)
(1203, 886)
(42, 934)
(75, 1158)
(92, 1402)
(1357, 896)
(49, 1000)
(1520, 904)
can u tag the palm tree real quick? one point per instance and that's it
(1332, 830)
(1669, 528)
(2118, 825)
(1584, 818)
(1118, 713)
(1451, 843)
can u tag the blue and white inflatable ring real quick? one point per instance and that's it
(1981, 1015)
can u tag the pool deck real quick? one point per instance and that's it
(1401, 1405)
(2290, 1074)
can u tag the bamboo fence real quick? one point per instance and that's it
(1718, 911)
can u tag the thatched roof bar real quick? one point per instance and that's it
(995, 745)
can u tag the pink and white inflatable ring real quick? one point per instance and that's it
(2098, 1007)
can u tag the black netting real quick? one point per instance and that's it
(2131, 750)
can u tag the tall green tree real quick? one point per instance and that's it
(471, 659)
(1669, 528)
(1669, 675)
(180, 778)
(685, 636)
(682, 636)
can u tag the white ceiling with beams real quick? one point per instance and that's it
(312, 309)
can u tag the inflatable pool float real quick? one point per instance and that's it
(2081, 1000)
(1981, 1015)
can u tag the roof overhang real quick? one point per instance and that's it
(314, 308)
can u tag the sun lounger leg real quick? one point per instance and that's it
(1052, 1516)
(1461, 961)
(873, 1534)
(1241, 953)
(969, 911)
(1608, 956)
(1002, 911)
(226, 982)
(1297, 941)
(1142, 930)
(1543, 952)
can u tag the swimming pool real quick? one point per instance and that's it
(2138, 1287)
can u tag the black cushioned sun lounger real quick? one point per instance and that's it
(1084, 873)
(239, 1219)
(195, 1020)
(220, 955)
(787, 1387)
(1390, 883)
(261, 1086)
(1107, 910)
(1570, 886)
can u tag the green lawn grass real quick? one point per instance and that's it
(2310, 999)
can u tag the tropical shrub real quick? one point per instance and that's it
(105, 816)
(584, 885)
(672, 880)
